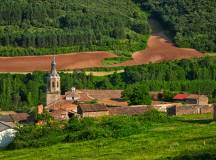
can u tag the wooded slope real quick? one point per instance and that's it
(191, 23)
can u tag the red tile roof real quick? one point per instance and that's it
(182, 96)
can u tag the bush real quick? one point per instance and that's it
(87, 129)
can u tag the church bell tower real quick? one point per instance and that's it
(53, 84)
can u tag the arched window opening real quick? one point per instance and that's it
(53, 84)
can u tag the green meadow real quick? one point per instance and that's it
(182, 138)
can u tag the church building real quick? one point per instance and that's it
(53, 85)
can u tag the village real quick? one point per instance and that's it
(99, 103)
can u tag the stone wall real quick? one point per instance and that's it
(50, 98)
(190, 109)
(95, 114)
(214, 114)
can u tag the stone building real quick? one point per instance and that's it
(92, 110)
(191, 99)
(189, 109)
(53, 84)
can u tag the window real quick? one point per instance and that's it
(53, 84)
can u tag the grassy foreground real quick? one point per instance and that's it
(188, 137)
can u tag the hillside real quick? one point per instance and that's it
(186, 138)
(35, 27)
(192, 24)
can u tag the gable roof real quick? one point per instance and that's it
(92, 107)
(18, 117)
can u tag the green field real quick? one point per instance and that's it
(188, 137)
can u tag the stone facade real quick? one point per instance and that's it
(189, 109)
(52, 97)
(214, 114)
(95, 114)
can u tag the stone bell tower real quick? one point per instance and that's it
(53, 84)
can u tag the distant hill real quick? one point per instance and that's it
(191, 23)
(71, 25)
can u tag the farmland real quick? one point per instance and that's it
(159, 48)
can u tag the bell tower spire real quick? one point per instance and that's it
(53, 67)
(53, 83)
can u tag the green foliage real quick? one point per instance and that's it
(38, 27)
(168, 95)
(87, 129)
(191, 23)
(137, 95)
(189, 139)
(115, 60)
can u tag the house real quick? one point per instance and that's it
(189, 109)
(62, 109)
(191, 99)
(7, 134)
(60, 115)
(92, 110)
(72, 96)
(132, 110)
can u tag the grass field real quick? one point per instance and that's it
(188, 137)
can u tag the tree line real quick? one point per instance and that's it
(49, 24)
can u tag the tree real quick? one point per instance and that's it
(137, 95)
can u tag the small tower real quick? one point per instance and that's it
(53, 84)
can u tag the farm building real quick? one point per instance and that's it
(92, 110)
(191, 99)
(189, 109)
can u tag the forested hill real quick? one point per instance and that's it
(192, 22)
(71, 25)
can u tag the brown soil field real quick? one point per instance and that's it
(42, 63)
(159, 48)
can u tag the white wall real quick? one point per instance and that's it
(6, 137)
